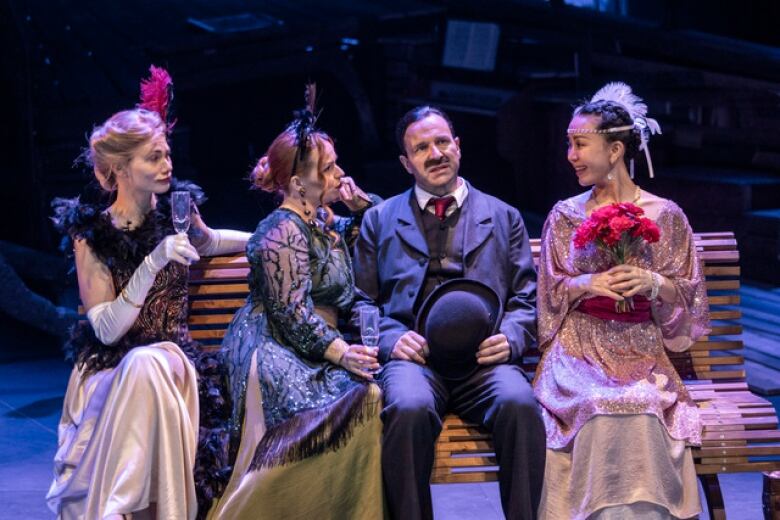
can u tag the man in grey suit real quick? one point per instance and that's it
(444, 228)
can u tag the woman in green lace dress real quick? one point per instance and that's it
(305, 425)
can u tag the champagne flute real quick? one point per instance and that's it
(369, 329)
(180, 211)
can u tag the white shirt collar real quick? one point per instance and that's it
(460, 193)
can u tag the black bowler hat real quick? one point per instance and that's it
(455, 318)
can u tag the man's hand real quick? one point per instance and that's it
(494, 350)
(410, 347)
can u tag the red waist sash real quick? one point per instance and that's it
(604, 308)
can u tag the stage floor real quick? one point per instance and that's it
(31, 395)
(32, 388)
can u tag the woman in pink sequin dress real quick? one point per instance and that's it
(619, 420)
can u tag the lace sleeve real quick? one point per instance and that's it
(280, 266)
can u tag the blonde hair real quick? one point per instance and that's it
(115, 141)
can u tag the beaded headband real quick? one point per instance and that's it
(619, 93)
(613, 130)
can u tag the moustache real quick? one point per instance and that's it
(433, 164)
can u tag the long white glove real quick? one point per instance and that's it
(222, 241)
(111, 320)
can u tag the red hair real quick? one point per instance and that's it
(273, 171)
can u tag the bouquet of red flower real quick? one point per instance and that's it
(617, 229)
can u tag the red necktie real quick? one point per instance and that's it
(440, 205)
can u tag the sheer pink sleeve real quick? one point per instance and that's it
(552, 298)
(687, 318)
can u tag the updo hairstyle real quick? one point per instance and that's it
(114, 142)
(273, 171)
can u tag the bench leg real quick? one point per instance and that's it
(714, 497)
(771, 495)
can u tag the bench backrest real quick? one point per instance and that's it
(218, 287)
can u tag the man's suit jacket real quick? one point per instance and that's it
(391, 259)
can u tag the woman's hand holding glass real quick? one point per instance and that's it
(175, 248)
(360, 360)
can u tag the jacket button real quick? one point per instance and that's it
(421, 261)
(411, 292)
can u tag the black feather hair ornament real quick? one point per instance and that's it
(304, 124)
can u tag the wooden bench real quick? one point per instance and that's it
(740, 428)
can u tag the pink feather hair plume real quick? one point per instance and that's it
(157, 94)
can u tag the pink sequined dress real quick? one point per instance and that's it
(619, 420)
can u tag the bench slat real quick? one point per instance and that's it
(725, 315)
(211, 319)
(446, 477)
(227, 288)
(464, 462)
(708, 438)
(203, 335)
(208, 275)
(737, 412)
(728, 299)
(705, 469)
(207, 305)
(722, 270)
(725, 330)
(464, 447)
(720, 374)
(723, 461)
(756, 450)
(722, 285)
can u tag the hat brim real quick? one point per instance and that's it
(463, 369)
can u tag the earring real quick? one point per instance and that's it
(302, 193)
(610, 177)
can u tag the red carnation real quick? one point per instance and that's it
(650, 232)
(585, 234)
(629, 208)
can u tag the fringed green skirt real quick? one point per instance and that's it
(342, 482)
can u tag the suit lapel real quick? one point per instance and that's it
(479, 224)
(408, 226)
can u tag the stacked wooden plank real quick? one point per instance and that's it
(218, 288)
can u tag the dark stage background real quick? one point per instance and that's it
(508, 72)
